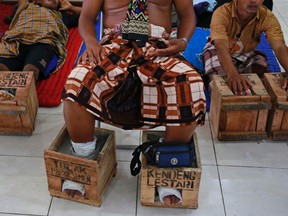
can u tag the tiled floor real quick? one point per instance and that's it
(238, 178)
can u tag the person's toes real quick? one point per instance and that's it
(171, 195)
(73, 193)
(174, 200)
(167, 200)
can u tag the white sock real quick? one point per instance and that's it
(71, 185)
(165, 191)
(82, 150)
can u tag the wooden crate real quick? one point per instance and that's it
(239, 117)
(277, 124)
(95, 173)
(18, 103)
(185, 179)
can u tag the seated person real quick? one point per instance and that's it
(236, 28)
(133, 79)
(70, 14)
(36, 36)
(204, 19)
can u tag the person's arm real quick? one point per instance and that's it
(67, 6)
(281, 52)
(22, 2)
(186, 28)
(237, 83)
(187, 18)
(94, 52)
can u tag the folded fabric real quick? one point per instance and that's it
(201, 7)
(71, 185)
(212, 4)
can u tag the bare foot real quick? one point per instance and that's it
(171, 200)
(169, 196)
(73, 193)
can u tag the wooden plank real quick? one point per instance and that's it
(277, 123)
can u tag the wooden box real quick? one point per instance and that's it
(18, 103)
(185, 179)
(239, 117)
(277, 124)
(95, 173)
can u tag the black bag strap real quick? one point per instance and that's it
(135, 164)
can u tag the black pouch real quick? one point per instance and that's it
(124, 107)
(164, 155)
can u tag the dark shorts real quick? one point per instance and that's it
(40, 55)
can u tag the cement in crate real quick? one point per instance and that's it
(66, 146)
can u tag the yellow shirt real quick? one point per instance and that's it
(225, 25)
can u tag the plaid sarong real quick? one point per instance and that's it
(34, 24)
(131, 89)
(251, 62)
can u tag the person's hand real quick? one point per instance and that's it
(173, 46)
(284, 84)
(93, 54)
(65, 5)
(238, 84)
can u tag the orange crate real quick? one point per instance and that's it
(18, 103)
(239, 117)
(277, 126)
(95, 173)
(185, 179)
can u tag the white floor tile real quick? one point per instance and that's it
(254, 191)
(124, 137)
(51, 110)
(23, 186)
(205, 143)
(46, 129)
(10, 214)
(253, 154)
(119, 199)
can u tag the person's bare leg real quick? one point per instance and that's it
(30, 67)
(3, 67)
(181, 135)
(80, 125)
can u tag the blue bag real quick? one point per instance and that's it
(164, 155)
(174, 155)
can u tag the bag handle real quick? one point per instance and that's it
(135, 164)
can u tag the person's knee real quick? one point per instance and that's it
(3, 67)
(30, 67)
